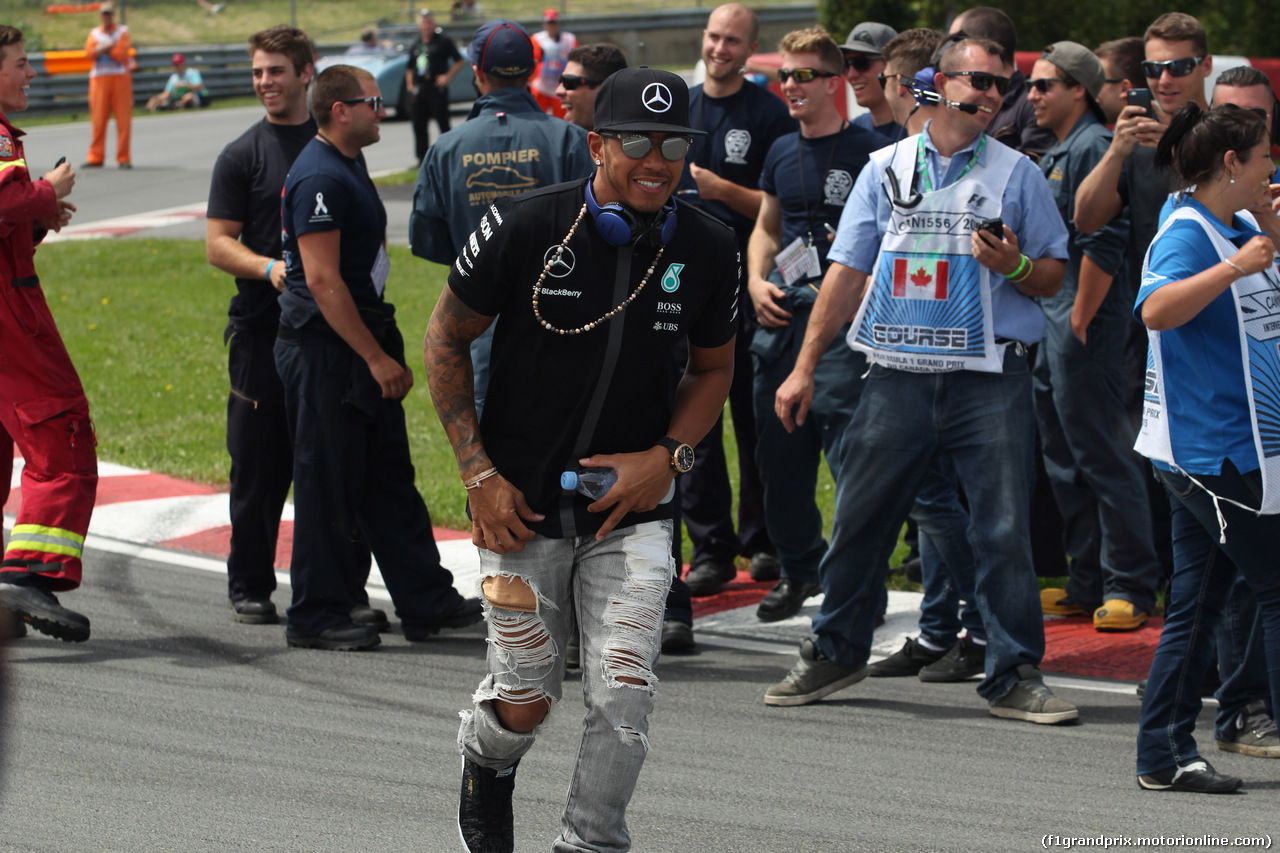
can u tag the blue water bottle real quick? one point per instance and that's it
(595, 483)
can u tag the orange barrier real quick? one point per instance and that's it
(72, 10)
(70, 61)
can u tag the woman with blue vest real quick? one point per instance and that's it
(1210, 297)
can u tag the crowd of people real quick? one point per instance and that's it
(971, 301)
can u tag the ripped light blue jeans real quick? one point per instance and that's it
(616, 589)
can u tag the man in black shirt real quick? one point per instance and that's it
(341, 359)
(619, 275)
(243, 239)
(741, 120)
(433, 62)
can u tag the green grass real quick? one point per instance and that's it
(143, 321)
(179, 22)
(149, 351)
(408, 177)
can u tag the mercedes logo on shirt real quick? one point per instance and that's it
(561, 267)
(656, 97)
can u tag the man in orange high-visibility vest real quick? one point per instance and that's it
(110, 87)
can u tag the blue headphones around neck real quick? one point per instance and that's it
(620, 227)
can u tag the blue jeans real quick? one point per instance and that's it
(946, 559)
(983, 424)
(1087, 442)
(788, 461)
(616, 590)
(1242, 661)
(1202, 578)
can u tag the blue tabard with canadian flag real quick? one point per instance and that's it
(928, 306)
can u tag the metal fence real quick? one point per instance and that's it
(652, 38)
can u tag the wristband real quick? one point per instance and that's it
(1031, 265)
(1234, 266)
(474, 482)
(1013, 276)
(271, 263)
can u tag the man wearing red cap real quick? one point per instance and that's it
(551, 49)
(185, 88)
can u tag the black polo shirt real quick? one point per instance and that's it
(542, 383)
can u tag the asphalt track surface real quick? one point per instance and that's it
(174, 728)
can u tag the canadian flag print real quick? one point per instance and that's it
(920, 278)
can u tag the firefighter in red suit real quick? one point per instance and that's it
(42, 404)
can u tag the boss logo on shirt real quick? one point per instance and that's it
(837, 186)
(736, 143)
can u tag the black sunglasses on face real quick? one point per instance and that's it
(885, 78)
(982, 80)
(375, 102)
(1044, 84)
(637, 146)
(860, 62)
(573, 81)
(802, 75)
(1176, 67)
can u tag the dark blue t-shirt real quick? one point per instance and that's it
(325, 191)
(892, 131)
(740, 130)
(814, 198)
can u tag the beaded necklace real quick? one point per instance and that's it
(554, 259)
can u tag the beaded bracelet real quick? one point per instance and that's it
(474, 483)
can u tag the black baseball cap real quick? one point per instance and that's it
(644, 100)
(502, 48)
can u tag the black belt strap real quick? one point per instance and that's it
(29, 281)
(621, 288)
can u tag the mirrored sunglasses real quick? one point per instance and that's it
(573, 81)
(375, 102)
(637, 146)
(1176, 67)
(802, 75)
(982, 80)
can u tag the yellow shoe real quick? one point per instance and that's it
(1118, 615)
(1054, 602)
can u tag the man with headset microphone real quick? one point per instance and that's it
(946, 319)
(593, 283)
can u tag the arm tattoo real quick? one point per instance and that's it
(447, 351)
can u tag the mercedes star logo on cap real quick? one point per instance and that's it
(656, 98)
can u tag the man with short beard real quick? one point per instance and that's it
(580, 379)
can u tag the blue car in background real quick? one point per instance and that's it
(387, 65)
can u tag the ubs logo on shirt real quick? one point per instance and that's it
(736, 143)
(837, 186)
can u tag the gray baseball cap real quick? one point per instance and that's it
(869, 37)
(1085, 68)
